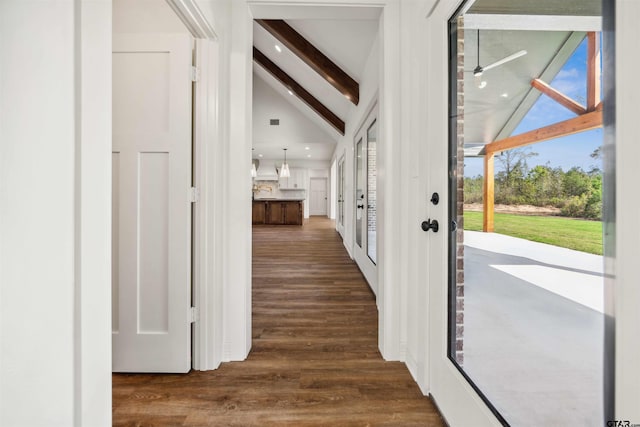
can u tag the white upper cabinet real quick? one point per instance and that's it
(297, 180)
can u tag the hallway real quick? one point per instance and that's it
(314, 359)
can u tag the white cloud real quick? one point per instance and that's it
(573, 73)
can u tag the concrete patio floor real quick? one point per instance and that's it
(533, 333)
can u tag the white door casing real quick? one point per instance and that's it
(152, 175)
(318, 196)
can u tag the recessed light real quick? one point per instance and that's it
(259, 155)
(279, 49)
(307, 148)
(505, 95)
(482, 84)
(308, 155)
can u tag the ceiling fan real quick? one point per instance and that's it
(477, 72)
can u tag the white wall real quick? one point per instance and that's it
(55, 127)
(145, 16)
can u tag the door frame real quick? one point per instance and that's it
(207, 332)
(391, 339)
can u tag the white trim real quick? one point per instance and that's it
(266, 9)
(193, 18)
(626, 274)
(207, 289)
(457, 400)
(389, 199)
(532, 22)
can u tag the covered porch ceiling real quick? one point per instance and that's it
(549, 31)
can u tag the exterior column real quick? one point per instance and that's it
(488, 193)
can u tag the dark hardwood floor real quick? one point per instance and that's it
(314, 359)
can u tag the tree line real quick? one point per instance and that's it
(576, 192)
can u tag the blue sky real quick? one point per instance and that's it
(567, 152)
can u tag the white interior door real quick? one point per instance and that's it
(318, 196)
(151, 205)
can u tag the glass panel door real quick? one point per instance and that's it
(360, 202)
(372, 179)
(366, 200)
(526, 289)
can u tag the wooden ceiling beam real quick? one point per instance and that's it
(298, 90)
(581, 123)
(559, 97)
(593, 70)
(313, 57)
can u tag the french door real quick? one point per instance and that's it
(495, 307)
(365, 203)
(340, 222)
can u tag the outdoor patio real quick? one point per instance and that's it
(533, 329)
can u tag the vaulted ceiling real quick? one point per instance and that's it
(306, 77)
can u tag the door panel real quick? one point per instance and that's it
(318, 193)
(151, 208)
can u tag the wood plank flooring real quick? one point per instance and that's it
(314, 360)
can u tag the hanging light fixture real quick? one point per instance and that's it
(284, 170)
(254, 171)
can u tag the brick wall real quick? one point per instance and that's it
(372, 172)
(459, 350)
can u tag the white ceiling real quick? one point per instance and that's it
(487, 110)
(347, 42)
(296, 130)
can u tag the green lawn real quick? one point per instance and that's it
(581, 235)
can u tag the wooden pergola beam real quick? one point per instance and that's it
(578, 124)
(298, 90)
(313, 57)
(559, 97)
(593, 70)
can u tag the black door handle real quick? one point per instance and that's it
(430, 225)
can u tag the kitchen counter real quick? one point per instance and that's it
(277, 211)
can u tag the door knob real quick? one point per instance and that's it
(430, 225)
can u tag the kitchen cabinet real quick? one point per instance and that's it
(292, 213)
(297, 180)
(277, 212)
(259, 214)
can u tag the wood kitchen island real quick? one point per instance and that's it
(278, 211)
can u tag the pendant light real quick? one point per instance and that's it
(284, 170)
(254, 171)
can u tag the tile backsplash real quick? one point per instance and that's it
(270, 189)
